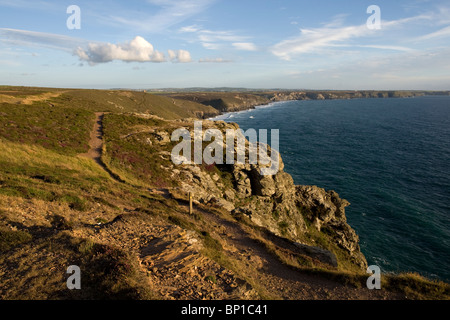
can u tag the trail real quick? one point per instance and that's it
(96, 146)
(285, 281)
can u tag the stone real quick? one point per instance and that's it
(229, 195)
(320, 254)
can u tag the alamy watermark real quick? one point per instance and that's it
(74, 20)
(234, 145)
(74, 281)
(374, 21)
(374, 281)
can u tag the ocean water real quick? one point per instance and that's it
(390, 158)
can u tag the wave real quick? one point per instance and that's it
(230, 115)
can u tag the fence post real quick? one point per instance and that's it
(190, 203)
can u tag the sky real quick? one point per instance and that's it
(291, 44)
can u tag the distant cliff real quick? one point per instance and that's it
(236, 101)
(224, 101)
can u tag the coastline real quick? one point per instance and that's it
(229, 115)
(241, 102)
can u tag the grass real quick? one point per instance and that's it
(417, 287)
(211, 279)
(133, 159)
(113, 273)
(64, 130)
(283, 225)
(10, 239)
(22, 91)
(61, 223)
(119, 101)
(34, 172)
(38, 271)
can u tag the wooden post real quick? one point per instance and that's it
(190, 203)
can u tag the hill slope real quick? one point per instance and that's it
(84, 182)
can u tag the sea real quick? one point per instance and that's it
(390, 158)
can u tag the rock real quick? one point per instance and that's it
(322, 206)
(243, 183)
(225, 204)
(326, 210)
(317, 253)
(229, 195)
(162, 137)
(262, 185)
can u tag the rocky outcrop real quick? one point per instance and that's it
(326, 211)
(273, 201)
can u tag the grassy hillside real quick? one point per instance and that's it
(107, 101)
(131, 101)
(224, 101)
(133, 236)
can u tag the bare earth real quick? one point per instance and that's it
(96, 140)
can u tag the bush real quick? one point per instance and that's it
(75, 202)
(10, 239)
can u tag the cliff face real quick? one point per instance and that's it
(224, 101)
(273, 202)
(237, 101)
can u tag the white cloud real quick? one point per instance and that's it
(319, 40)
(193, 28)
(211, 46)
(442, 33)
(219, 36)
(32, 38)
(245, 46)
(312, 40)
(401, 70)
(138, 49)
(218, 39)
(168, 13)
(181, 56)
(43, 5)
(214, 60)
(386, 47)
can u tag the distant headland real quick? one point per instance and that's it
(238, 99)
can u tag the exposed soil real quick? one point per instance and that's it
(96, 145)
(96, 140)
(282, 280)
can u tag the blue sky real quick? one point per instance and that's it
(322, 44)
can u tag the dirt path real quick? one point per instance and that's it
(283, 280)
(96, 146)
(96, 141)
